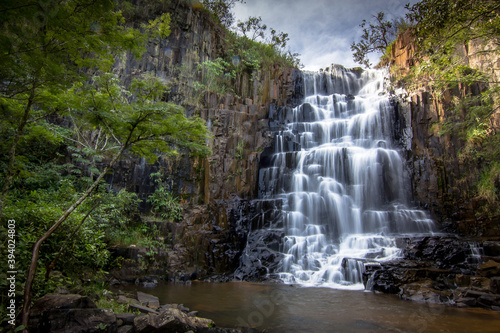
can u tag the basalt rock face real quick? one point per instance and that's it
(442, 182)
(441, 269)
(215, 191)
(458, 268)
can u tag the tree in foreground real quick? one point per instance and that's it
(56, 58)
(134, 120)
(46, 46)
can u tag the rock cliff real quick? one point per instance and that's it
(458, 268)
(441, 181)
(214, 190)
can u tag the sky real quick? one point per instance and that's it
(321, 31)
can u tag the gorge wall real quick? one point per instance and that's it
(214, 190)
(442, 182)
(217, 191)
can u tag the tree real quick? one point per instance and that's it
(376, 38)
(134, 120)
(50, 53)
(278, 39)
(45, 47)
(440, 28)
(222, 10)
(443, 31)
(439, 22)
(252, 28)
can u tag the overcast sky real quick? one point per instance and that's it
(320, 30)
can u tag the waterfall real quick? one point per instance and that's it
(341, 179)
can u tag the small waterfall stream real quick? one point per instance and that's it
(344, 202)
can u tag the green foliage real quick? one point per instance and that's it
(164, 203)
(221, 9)
(113, 305)
(158, 28)
(252, 28)
(64, 119)
(239, 150)
(255, 30)
(216, 77)
(440, 23)
(136, 117)
(439, 28)
(470, 96)
(47, 47)
(253, 55)
(489, 184)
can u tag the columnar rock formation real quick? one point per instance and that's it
(217, 191)
(442, 182)
(213, 190)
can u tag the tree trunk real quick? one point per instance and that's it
(70, 237)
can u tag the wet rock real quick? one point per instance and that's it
(491, 248)
(480, 283)
(444, 252)
(127, 318)
(148, 300)
(261, 257)
(385, 280)
(480, 298)
(436, 269)
(424, 292)
(488, 300)
(491, 268)
(462, 280)
(465, 302)
(495, 285)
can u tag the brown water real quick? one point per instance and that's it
(285, 308)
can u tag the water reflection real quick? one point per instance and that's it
(286, 308)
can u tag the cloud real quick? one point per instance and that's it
(320, 30)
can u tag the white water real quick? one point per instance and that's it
(345, 202)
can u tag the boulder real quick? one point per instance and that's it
(148, 300)
(170, 320)
(126, 300)
(424, 292)
(491, 268)
(126, 329)
(495, 285)
(57, 301)
(142, 308)
(70, 314)
(160, 323)
(462, 280)
(127, 318)
(480, 283)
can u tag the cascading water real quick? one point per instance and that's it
(345, 202)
